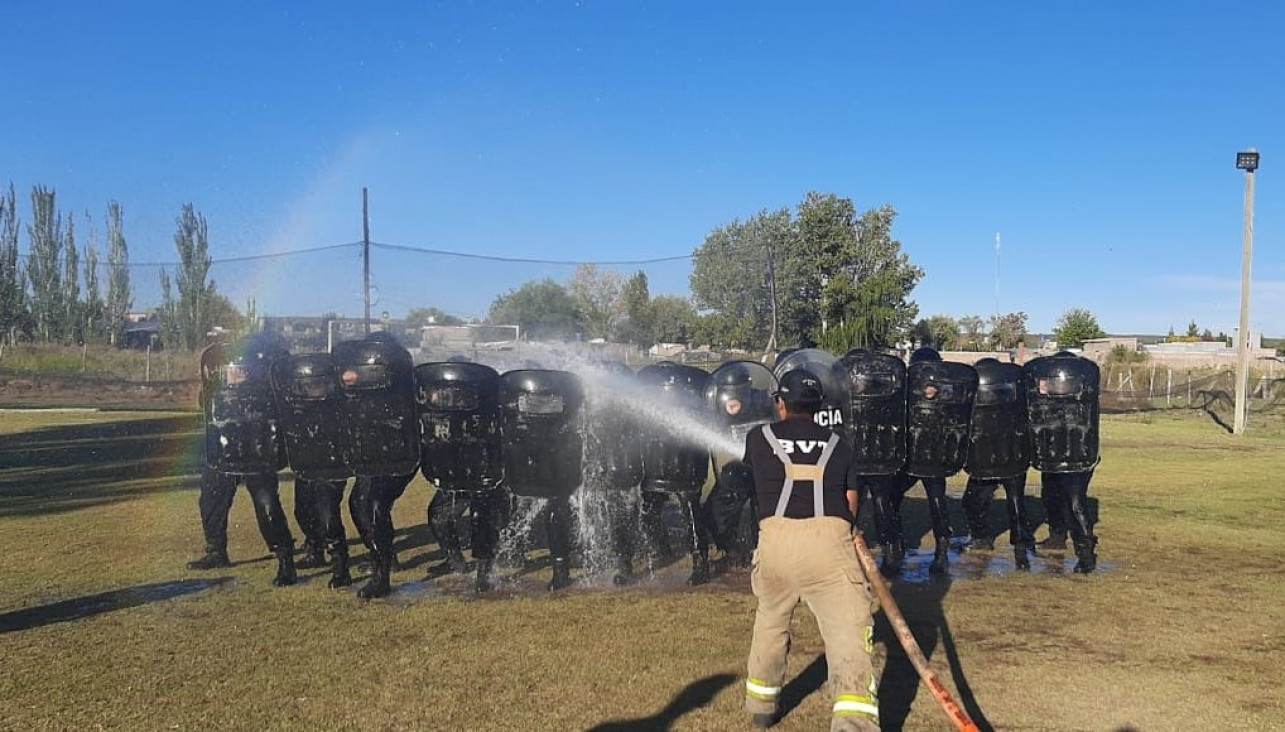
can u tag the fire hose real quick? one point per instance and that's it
(902, 629)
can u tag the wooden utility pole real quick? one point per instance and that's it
(1249, 163)
(365, 253)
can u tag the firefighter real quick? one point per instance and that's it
(807, 507)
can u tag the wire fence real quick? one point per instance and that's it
(1150, 387)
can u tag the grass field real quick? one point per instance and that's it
(102, 627)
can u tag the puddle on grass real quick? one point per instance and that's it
(971, 564)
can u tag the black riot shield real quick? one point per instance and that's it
(613, 432)
(823, 364)
(309, 401)
(242, 434)
(459, 421)
(377, 377)
(999, 439)
(876, 410)
(675, 460)
(1062, 402)
(541, 430)
(739, 396)
(939, 404)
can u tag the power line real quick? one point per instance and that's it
(523, 260)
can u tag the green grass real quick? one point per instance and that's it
(102, 627)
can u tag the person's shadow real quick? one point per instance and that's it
(694, 696)
(103, 602)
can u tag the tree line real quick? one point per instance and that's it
(54, 295)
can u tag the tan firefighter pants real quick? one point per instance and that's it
(812, 560)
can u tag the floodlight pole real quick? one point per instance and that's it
(365, 253)
(1249, 163)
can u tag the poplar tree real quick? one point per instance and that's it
(13, 291)
(119, 297)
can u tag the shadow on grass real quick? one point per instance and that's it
(69, 467)
(103, 602)
(694, 696)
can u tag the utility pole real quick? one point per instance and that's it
(771, 288)
(365, 252)
(997, 275)
(1248, 162)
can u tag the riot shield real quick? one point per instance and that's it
(241, 428)
(877, 411)
(999, 439)
(674, 458)
(378, 383)
(310, 402)
(826, 367)
(459, 420)
(1062, 403)
(541, 430)
(613, 432)
(939, 406)
(740, 397)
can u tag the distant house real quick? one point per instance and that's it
(141, 331)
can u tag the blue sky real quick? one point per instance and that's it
(1098, 138)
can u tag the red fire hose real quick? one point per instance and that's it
(899, 626)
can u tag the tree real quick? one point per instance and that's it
(974, 329)
(119, 297)
(1075, 326)
(192, 309)
(542, 309)
(673, 319)
(1193, 330)
(732, 278)
(939, 331)
(171, 331)
(418, 317)
(223, 314)
(92, 309)
(44, 265)
(596, 293)
(71, 305)
(1007, 331)
(13, 291)
(635, 324)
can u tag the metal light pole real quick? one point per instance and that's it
(1248, 162)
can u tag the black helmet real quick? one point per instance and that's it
(926, 353)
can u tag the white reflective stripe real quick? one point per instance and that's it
(856, 706)
(761, 690)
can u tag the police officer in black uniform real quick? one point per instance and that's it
(310, 401)
(382, 443)
(675, 464)
(1062, 393)
(459, 413)
(998, 455)
(541, 429)
(739, 395)
(613, 466)
(243, 444)
(877, 430)
(940, 403)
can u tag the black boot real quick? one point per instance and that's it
(378, 584)
(1056, 540)
(890, 562)
(314, 557)
(456, 560)
(624, 572)
(700, 569)
(1084, 550)
(483, 581)
(1021, 556)
(216, 557)
(561, 574)
(339, 575)
(286, 574)
(941, 557)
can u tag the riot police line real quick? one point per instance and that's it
(534, 441)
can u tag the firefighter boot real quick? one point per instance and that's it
(286, 574)
(216, 557)
(890, 562)
(700, 569)
(941, 557)
(1084, 551)
(339, 575)
(561, 574)
(483, 581)
(378, 585)
(314, 557)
